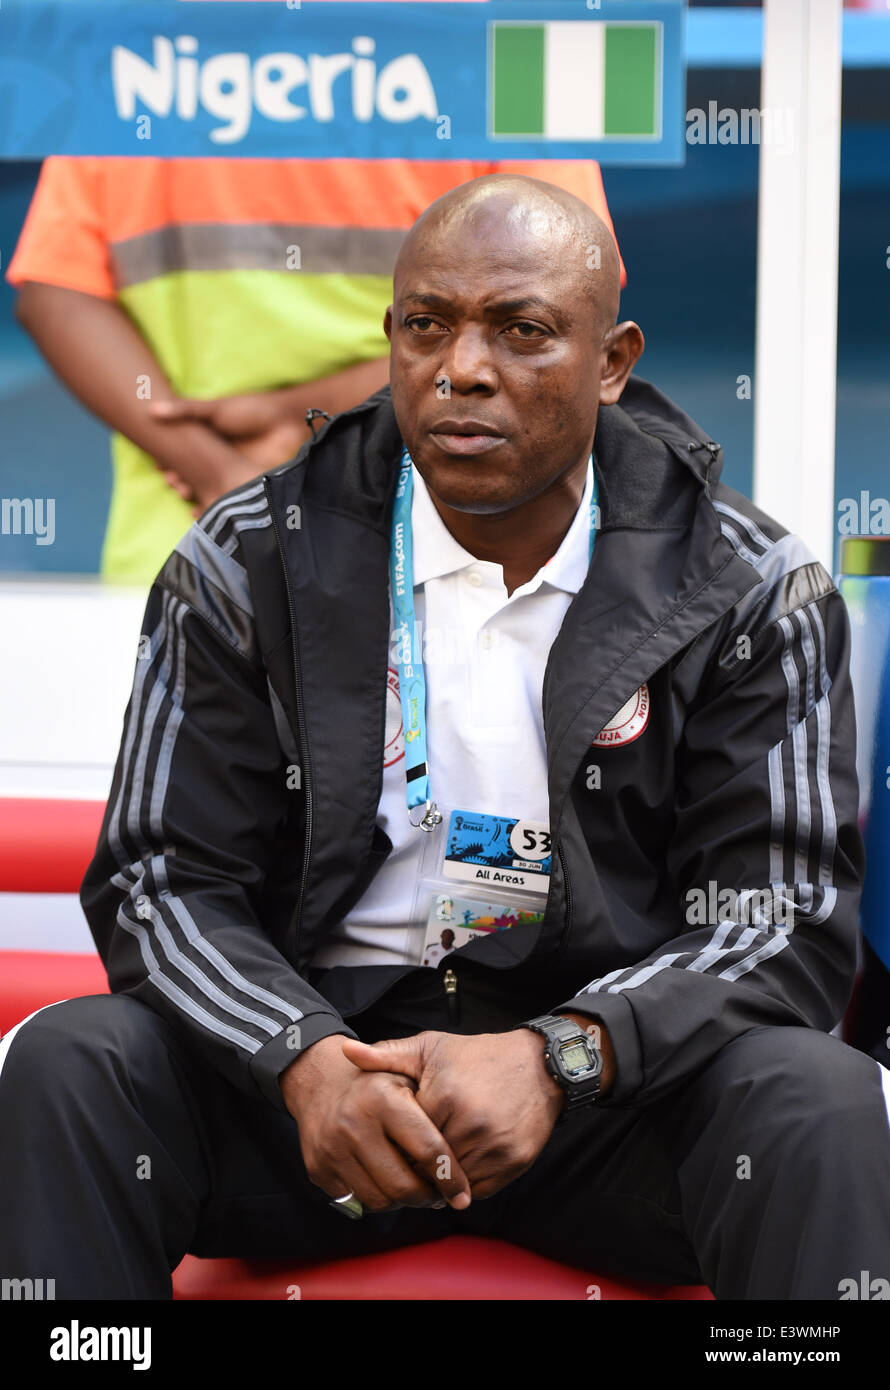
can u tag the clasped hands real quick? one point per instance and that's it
(423, 1121)
(259, 430)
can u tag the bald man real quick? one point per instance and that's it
(499, 644)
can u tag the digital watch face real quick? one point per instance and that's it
(574, 1057)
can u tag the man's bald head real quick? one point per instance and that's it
(515, 209)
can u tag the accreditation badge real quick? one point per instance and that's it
(481, 874)
(498, 851)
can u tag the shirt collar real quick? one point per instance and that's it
(437, 552)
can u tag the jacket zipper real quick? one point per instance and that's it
(305, 780)
(449, 979)
(567, 881)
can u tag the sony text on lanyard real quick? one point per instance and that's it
(412, 681)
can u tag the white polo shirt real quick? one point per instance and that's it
(484, 658)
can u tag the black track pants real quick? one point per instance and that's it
(766, 1176)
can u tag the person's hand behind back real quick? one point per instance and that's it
(261, 425)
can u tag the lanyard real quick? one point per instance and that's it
(409, 660)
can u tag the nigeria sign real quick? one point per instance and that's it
(502, 79)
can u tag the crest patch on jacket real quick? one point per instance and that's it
(628, 723)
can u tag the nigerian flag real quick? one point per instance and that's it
(576, 79)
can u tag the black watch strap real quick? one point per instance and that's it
(580, 1091)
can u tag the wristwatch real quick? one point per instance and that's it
(572, 1059)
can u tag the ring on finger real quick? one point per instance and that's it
(349, 1205)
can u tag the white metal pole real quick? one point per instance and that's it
(795, 374)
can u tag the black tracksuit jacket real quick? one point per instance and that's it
(241, 823)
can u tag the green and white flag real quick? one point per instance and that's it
(576, 79)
